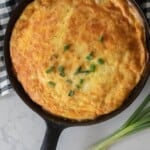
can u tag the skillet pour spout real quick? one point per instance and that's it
(55, 124)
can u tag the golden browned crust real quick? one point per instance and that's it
(53, 33)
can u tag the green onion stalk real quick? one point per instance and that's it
(138, 121)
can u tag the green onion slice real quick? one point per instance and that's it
(49, 70)
(67, 47)
(101, 61)
(92, 68)
(61, 71)
(78, 70)
(71, 93)
(69, 81)
(81, 81)
(90, 56)
(101, 38)
(52, 84)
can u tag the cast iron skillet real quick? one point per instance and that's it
(55, 124)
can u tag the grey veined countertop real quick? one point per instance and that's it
(22, 129)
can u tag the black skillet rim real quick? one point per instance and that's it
(50, 117)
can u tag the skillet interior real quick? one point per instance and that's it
(19, 89)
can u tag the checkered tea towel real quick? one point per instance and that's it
(6, 6)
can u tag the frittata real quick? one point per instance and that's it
(79, 59)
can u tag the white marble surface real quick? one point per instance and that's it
(22, 129)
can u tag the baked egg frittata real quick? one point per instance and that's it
(79, 59)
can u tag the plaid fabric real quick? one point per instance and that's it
(6, 6)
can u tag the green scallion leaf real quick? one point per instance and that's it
(69, 81)
(62, 74)
(92, 68)
(78, 86)
(67, 47)
(49, 70)
(90, 56)
(51, 83)
(71, 93)
(138, 121)
(101, 38)
(101, 61)
(81, 81)
(78, 70)
(85, 71)
(81, 71)
(61, 70)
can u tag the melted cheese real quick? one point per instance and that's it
(38, 42)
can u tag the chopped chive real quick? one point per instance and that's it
(61, 68)
(85, 71)
(71, 93)
(101, 61)
(67, 47)
(101, 38)
(78, 86)
(49, 70)
(62, 74)
(78, 70)
(90, 56)
(52, 84)
(81, 81)
(92, 67)
(61, 71)
(69, 81)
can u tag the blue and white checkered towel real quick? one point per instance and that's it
(6, 6)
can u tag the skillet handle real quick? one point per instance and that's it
(51, 137)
